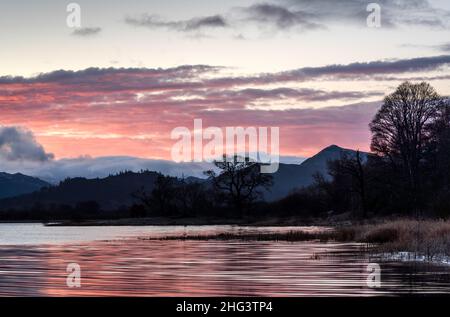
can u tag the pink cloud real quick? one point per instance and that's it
(132, 111)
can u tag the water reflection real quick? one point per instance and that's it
(136, 267)
(38, 234)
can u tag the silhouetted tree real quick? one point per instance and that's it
(161, 200)
(193, 198)
(349, 173)
(438, 162)
(239, 181)
(400, 131)
(164, 194)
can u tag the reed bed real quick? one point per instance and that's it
(428, 238)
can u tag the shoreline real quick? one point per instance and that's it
(400, 239)
(191, 221)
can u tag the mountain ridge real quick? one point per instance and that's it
(291, 177)
(17, 184)
(115, 191)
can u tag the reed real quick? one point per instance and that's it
(429, 238)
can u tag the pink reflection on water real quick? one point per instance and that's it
(195, 268)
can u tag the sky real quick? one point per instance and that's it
(135, 70)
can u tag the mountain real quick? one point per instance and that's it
(17, 184)
(111, 192)
(54, 171)
(290, 177)
(115, 191)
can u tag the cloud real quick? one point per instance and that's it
(91, 75)
(419, 64)
(248, 95)
(444, 47)
(209, 22)
(133, 110)
(397, 13)
(57, 170)
(280, 17)
(194, 24)
(199, 76)
(19, 144)
(352, 71)
(88, 167)
(86, 31)
(307, 15)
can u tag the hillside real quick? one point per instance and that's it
(290, 177)
(115, 191)
(17, 184)
(110, 192)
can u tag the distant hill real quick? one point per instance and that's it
(290, 177)
(17, 184)
(115, 191)
(110, 192)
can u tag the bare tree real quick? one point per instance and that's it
(352, 167)
(240, 181)
(192, 197)
(438, 162)
(399, 129)
(162, 197)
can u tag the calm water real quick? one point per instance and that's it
(115, 262)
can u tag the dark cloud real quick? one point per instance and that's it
(308, 15)
(91, 75)
(206, 22)
(393, 13)
(419, 64)
(19, 144)
(194, 24)
(64, 97)
(86, 31)
(281, 17)
(444, 47)
(353, 71)
(192, 76)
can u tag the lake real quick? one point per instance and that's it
(115, 261)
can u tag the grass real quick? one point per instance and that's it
(428, 238)
(285, 236)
